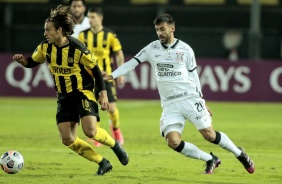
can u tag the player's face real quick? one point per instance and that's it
(95, 19)
(165, 32)
(51, 34)
(77, 8)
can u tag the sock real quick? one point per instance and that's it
(98, 125)
(103, 137)
(85, 150)
(226, 143)
(192, 151)
(114, 117)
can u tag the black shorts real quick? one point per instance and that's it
(111, 91)
(73, 106)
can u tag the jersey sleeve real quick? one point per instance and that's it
(142, 55)
(191, 65)
(115, 43)
(38, 54)
(88, 60)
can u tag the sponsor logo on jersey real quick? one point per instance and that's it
(164, 70)
(176, 96)
(61, 70)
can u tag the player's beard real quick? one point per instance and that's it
(78, 16)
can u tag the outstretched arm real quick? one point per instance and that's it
(123, 69)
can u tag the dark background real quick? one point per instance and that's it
(200, 25)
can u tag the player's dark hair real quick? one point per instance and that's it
(164, 18)
(83, 2)
(97, 10)
(62, 17)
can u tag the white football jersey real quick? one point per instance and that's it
(173, 67)
(81, 27)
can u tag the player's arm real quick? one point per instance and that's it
(120, 60)
(25, 62)
(100, 85)
(123, 69)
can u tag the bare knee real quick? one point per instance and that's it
(67, 140)
(173, 140)
(208, 134)
(90, 133)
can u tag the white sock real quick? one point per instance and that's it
(227, 144)
(190, 150)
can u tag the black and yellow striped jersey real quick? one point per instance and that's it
(68, 65)
(102, 45)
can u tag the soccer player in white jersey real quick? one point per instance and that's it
(81, 21)
(180, 91)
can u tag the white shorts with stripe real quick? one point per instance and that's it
(174, 115)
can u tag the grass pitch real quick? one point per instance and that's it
(28, 126)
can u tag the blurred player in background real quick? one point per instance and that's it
(104, 44)
(78, 8)
(68, 60)
(179, 87)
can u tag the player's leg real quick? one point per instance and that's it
(172, 125)
(113, 112)
(67, 111)
(89, 114)
(223, 141)
(202, 121)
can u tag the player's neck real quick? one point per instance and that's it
(78, 20)
(170, 42)
(62, 42)
(96, 29)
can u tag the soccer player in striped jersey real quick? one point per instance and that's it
(179, 87)
(104, 43)
(68, 62)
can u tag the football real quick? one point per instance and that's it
(12, 162)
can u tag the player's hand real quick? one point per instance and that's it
(103, 100)
(107, 77)
(20, 59)
(209, 110)
(120, 80)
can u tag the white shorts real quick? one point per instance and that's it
(174, 115)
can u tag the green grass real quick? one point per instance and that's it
(28, 125)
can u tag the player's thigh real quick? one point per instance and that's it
(196, 112)
(171, 120)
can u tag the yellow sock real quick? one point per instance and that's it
(83, 149)
(98, 125)
(114, 117)
(103, 137)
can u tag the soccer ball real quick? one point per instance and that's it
(12, 162)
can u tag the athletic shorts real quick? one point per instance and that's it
(75, 105)
(174, 115)
(111, 91)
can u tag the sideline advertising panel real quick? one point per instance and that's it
(221, 80)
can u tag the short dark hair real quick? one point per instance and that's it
(97, 10)
(164, 18)
(83, 2)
